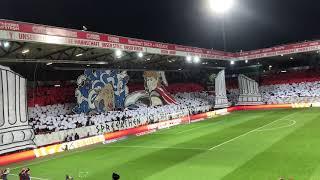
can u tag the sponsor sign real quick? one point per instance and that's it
(146, 132)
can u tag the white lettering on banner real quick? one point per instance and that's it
(166, 124)
(133, 48)
(9, 26)
(113, 39)
(112, 45)
(134, 42)
(148, 44)
(83, 42)
(93, 36)
(161, 46)
(39, 29)
(117, 125)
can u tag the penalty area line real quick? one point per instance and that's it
(254, 130)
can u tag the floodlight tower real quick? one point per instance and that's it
(221, 7)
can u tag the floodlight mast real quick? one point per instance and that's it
(222, 7)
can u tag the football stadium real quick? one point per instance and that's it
(76, 104)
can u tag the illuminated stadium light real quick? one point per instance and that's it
(57, 85)
(283, 71)
(6, 44)
(88, 65)
(25, 51)
(281, 55)
(140, 55)
(221, 6)
(118, 53)
(78, 55)
(247, 61)
(232, 62)
(291, 58)
(50, 63)
(270, 66)
(196, 59)
(189, 59)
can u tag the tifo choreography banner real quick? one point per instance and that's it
(146, 129)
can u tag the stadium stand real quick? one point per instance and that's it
(44, 96)
(53, 118)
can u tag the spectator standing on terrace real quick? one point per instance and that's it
(27, 174)
(4, 174)
(22, 174)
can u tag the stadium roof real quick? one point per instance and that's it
(46, 44)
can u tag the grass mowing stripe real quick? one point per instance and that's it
(295, 155)
(157, 147)
(169, 160)
(250, 132)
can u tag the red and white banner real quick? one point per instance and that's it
(27, 32)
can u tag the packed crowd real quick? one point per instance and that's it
(291, 93)
(304, 92)
(59, 117)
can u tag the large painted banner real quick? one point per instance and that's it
(106, 90)
(101, 91)
(15, 133)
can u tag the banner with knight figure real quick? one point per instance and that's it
(155, 93)
(101, 91)
(106, 90)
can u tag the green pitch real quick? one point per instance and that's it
(262, 145)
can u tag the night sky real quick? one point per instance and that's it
(250, 25)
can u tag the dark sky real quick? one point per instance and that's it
(250, 25)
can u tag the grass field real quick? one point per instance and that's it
(262, 145)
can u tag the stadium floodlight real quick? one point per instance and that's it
(57, 85)
(6, 44)
(247, 61)
(118, 53)
(196, 59)
(283, 71)
(221, 6)
(78, 55)
(189, 59)
(140, 55)
(291, 58)
(50, 63)
(25, 51)
(232, 62)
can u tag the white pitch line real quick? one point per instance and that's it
(30, 177)
(281, 127)
(158, 147)
(214, 147)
